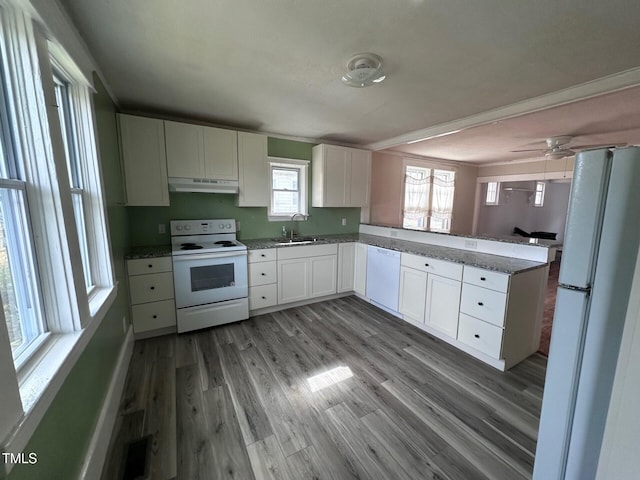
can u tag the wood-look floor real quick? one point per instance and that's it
(235, 402)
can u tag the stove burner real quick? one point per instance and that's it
(225, 243)
(190, 246)
(228, 245)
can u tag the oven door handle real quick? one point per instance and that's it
(208, 256)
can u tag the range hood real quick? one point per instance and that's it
(203, 185)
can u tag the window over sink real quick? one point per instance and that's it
(288, 190)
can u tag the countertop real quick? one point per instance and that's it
(150, 251)
(481, 260)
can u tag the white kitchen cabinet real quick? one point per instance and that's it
(306, 272)
(220, 153)
(153, 310)
(197, 151)
(360, 270)
(185, 154)
(340, 176)
(253, 170)
(430, 298)
(263, 278)
(443, 304)
(142, 146)
(412, 299)
(294, 277)
(323, 275)
(346, 267)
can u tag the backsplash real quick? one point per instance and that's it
(144, 221)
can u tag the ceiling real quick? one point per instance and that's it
(275, 66)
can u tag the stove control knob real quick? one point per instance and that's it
(187, 227)
(178, 227)
(221, 226)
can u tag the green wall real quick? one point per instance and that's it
(143, 221)
(62, 438)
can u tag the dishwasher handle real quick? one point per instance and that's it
(384, 251)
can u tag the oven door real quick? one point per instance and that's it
(203, 278)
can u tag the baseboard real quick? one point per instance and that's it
(97, 452)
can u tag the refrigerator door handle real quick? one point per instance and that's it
(586, 289)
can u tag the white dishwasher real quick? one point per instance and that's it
(383, 276)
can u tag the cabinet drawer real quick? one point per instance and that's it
(486, 278)
(262, 255)
(483, 303)
(151, 288)
(432, 265)
(154, 315)
(480, 335)
(262, 273)
(141, 266)
(263, 296)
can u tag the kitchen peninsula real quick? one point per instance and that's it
(483, 296)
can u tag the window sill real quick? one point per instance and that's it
(287, 218)
(41, 381)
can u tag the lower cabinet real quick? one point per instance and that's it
(429, 298)
(151, 292)
(346, 267)
(360, 269)
(306, 272)
(263, 286)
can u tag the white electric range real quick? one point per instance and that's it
(209, 273)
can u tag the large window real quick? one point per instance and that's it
(492, 196)
(538, 198)
(288, 188)
(428, 199)
(19, 288)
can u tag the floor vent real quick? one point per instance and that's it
(136, 459)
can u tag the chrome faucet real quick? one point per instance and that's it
(291, 230)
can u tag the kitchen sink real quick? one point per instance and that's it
(295, 241)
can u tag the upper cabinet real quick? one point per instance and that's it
(340, 176)
(142, 145)
(253, 170)
(196, 151)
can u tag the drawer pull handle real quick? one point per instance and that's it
(480, 303)
(477, 336)
(155, 316)
(426, 264)
(150, 265)
(263, 297)
(483, 278)
(152, 288)
(262, 255)
(263, 274)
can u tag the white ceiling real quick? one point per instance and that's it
(275, 65)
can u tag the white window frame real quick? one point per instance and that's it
(302, 167)
(495, 200)
(538, 194)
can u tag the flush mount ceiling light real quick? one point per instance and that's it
(363, 70)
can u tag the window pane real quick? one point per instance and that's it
(78, 212)
(285, 179)
(286, 203)
(442, 200)
(17, 273)
(416, 197)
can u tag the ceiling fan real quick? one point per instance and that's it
(558, 147)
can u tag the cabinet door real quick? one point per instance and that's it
(443, 304)
(335, 176)
(360, 176)
(144, 160)
(413, 291)
(220, 153)
(253, 170)
(184, 150)
(293, 280)
(346, 266)
(323, 275)
(360, 270)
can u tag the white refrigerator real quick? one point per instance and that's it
(602, 237)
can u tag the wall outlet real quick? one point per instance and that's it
(237, 225)
(344, 222)
(162, 228)
(471, 244)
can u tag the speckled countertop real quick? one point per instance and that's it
(482, 260)
(150, 251)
